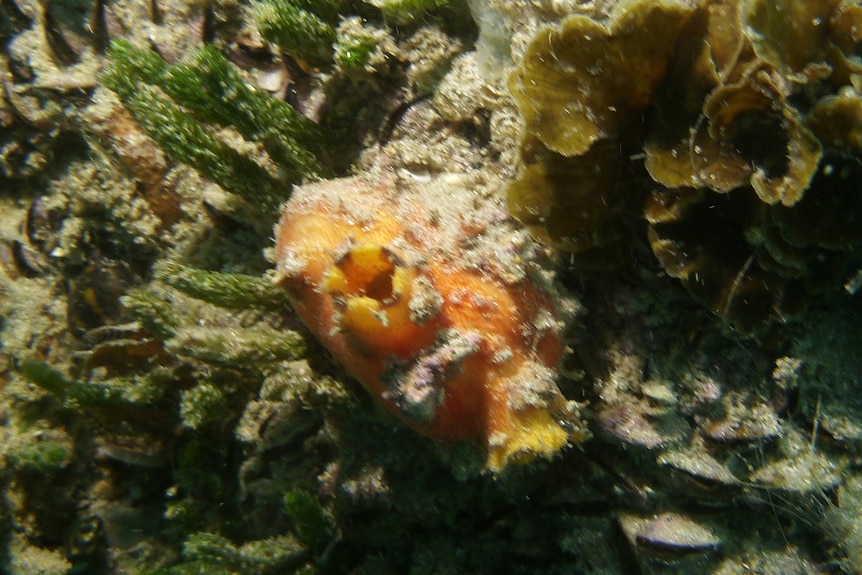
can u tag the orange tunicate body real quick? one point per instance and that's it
(410, 293)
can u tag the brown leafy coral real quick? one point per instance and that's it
(747, 116)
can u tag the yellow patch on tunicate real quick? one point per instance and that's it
(535, 434)
(373, 291)
(363, 270)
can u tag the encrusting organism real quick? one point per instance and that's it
(454, 347)
(736, 145)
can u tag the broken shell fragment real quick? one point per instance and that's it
(380, 274)
(698, 472)
(746, 419)
(632, 424)
(669, 537)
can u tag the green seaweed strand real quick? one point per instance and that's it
(174, 104)
(300, 28)
(232, 291)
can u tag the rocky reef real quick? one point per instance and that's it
(429, 287)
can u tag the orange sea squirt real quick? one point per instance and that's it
(452, 348)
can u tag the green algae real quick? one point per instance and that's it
(274, 555)
(232, 291)
(354, 51)
(72, 393)
(311, 523)
(209, 90)
(203, 405)
(240, 348)
(39, 458)
(156, 315)
(302, 28)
